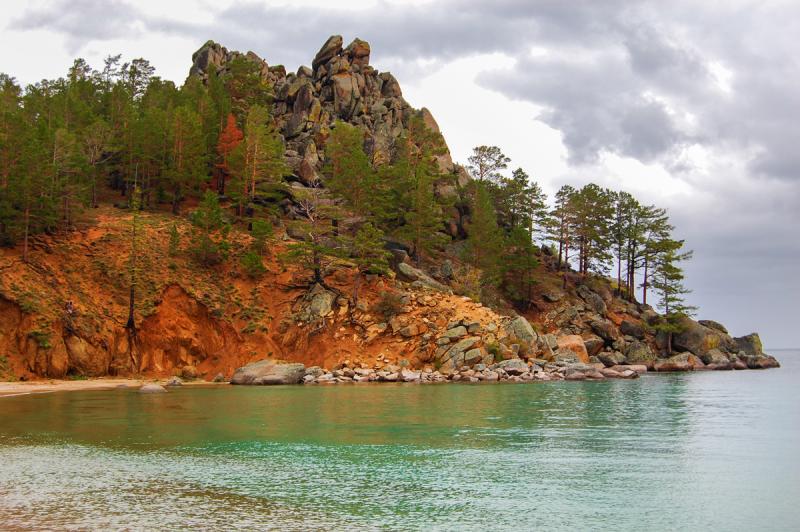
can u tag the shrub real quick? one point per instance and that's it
(388, 305)
(252, 264)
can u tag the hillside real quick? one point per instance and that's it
(65, 291)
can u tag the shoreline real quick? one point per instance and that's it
(17, 388)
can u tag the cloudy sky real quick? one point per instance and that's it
(694, 106)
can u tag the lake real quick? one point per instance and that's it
(679, 451)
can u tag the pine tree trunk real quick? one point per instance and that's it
(27, 231)
(644, 284)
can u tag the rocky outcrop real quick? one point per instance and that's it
(340, 85)
(266, 372)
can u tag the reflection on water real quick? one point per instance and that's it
(679, 451)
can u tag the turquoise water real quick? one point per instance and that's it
(665, 452)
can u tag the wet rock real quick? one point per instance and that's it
(266, 372)
(761, 362)
(174, 381)
(636, 368)
(152, 388)
(407, 375)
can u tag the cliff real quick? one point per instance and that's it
(63, 312)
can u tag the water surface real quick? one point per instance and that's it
(683, 451)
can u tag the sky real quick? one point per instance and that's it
(692, 106)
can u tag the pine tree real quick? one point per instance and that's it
(367, 250)
(349, 173)
(229, 140)
(484, 244)
(260, 157)
(668, 280)
(486, 162)
(210, 231)
(187, 161)
(518, 262)
(413, 175)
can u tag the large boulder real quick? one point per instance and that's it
(761, 362)
(611, 358)
(632, 328)
(514, 366)
(574, 343)
(698, 339)
(592, 299)
(152, 388)
(594, 344)
(522, 330)
(331, 48)
(639, 353)
(605, 330)
(680, 362)
(269, 372)
(711, 324)
(407, 272)
(750, 345)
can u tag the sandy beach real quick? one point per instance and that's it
(54, 385)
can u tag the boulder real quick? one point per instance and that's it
(605, 330)
(711, 324)
(611, 358)
(514, 366)
(698, 339)
(750, 345)
(408, 273)
(594, 344)
(632, 328)
(761, 362)
(269, 372)
(715, 356)
(331, 48)
(456, 332)
(639, 369)
(521, 329)
(152, 388)
(407, 375)
(574, 343)
(639, 353)
(681, 362)
(592, 299)
(174, 381)
(189, 372)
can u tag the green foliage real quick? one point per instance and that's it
(486, 162)
(42, 338)
(388, 305)
(368, 252)
(210, 231)
(519, 261)
(258, 159)
(418, 215)
(261, 231)
(485, 242)
(253, 264)
(349, 173)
